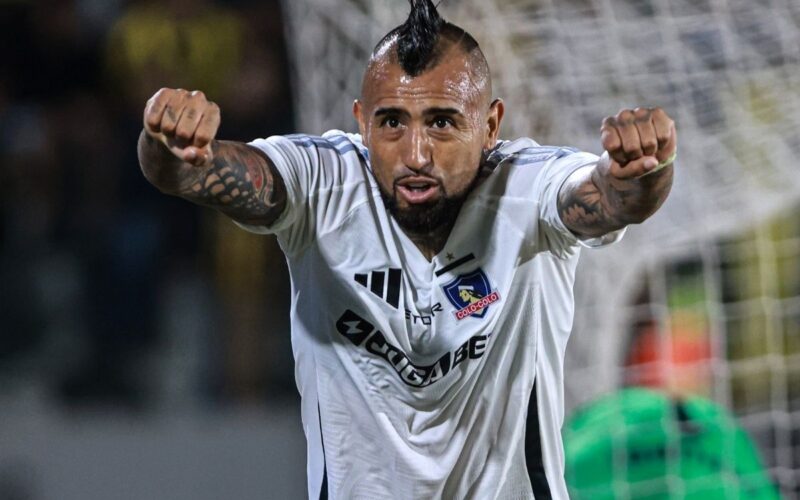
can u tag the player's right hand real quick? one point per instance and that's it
(185, 122)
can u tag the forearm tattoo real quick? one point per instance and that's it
(591, 204)
(240, 182)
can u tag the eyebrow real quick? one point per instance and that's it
(442, 111)
(390, 111)
(429, 111)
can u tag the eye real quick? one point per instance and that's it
(442, 122)
(391, 122)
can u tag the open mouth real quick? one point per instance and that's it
(417, 190)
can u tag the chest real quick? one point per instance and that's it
(422, 308)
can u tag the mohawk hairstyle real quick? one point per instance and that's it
(419, 37)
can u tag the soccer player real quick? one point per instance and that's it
(432, 264)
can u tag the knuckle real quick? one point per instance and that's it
(198, 94)
(169, 116)
(202, 137)
(642, 113)
(662, 116)
(625, 116)
(609, 138)
(168, 126)
(631, 145)
(631, 150)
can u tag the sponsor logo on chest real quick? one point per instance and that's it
(363, 334)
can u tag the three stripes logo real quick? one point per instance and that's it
(384, 284)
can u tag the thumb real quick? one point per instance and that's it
(197, 156)
(634, 168)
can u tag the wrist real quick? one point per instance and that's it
(667, 162)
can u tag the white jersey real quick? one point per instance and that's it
(418, 377)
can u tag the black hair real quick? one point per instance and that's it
(419, 37)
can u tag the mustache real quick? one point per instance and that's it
(432, 178)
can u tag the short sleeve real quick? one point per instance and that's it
(552, 232)
(321, 175)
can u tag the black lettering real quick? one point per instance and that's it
(411, 376)
(477, 346)
(438, 370)
(396, 357)
(377, 345)
(360, 331)
(461, 354)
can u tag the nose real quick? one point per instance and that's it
(416, 150)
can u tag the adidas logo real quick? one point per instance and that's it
(384, 284)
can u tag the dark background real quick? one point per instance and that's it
(96, 264)
(144, 342)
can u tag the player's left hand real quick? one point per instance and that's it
(637, 142)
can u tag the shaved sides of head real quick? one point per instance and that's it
(423, 40)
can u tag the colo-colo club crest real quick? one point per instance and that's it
(471, 294)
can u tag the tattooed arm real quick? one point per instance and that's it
(179, 155)
(240, 180)
(631, 180)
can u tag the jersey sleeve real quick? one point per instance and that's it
(321, 175)
(534, 176)
(553, 233)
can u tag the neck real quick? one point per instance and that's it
(432, 242)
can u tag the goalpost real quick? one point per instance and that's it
(705, 297)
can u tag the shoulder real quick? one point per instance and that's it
(526, 151)
(334, 151)
(333, 140)
(523, 167)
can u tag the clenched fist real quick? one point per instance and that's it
(638, 141)
(185, 122)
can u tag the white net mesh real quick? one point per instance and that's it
(709, 272)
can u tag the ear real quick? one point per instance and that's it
(357, 109)
(495, 116)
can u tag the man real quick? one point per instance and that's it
(432, 264)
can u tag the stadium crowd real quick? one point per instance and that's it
(114, 294)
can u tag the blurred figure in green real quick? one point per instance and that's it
(641, 444)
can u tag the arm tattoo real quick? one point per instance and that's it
(241, 182)
(592, 204)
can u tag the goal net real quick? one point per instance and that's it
(704, 298)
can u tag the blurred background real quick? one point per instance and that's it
(144, 343)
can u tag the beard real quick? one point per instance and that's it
(426, 218)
